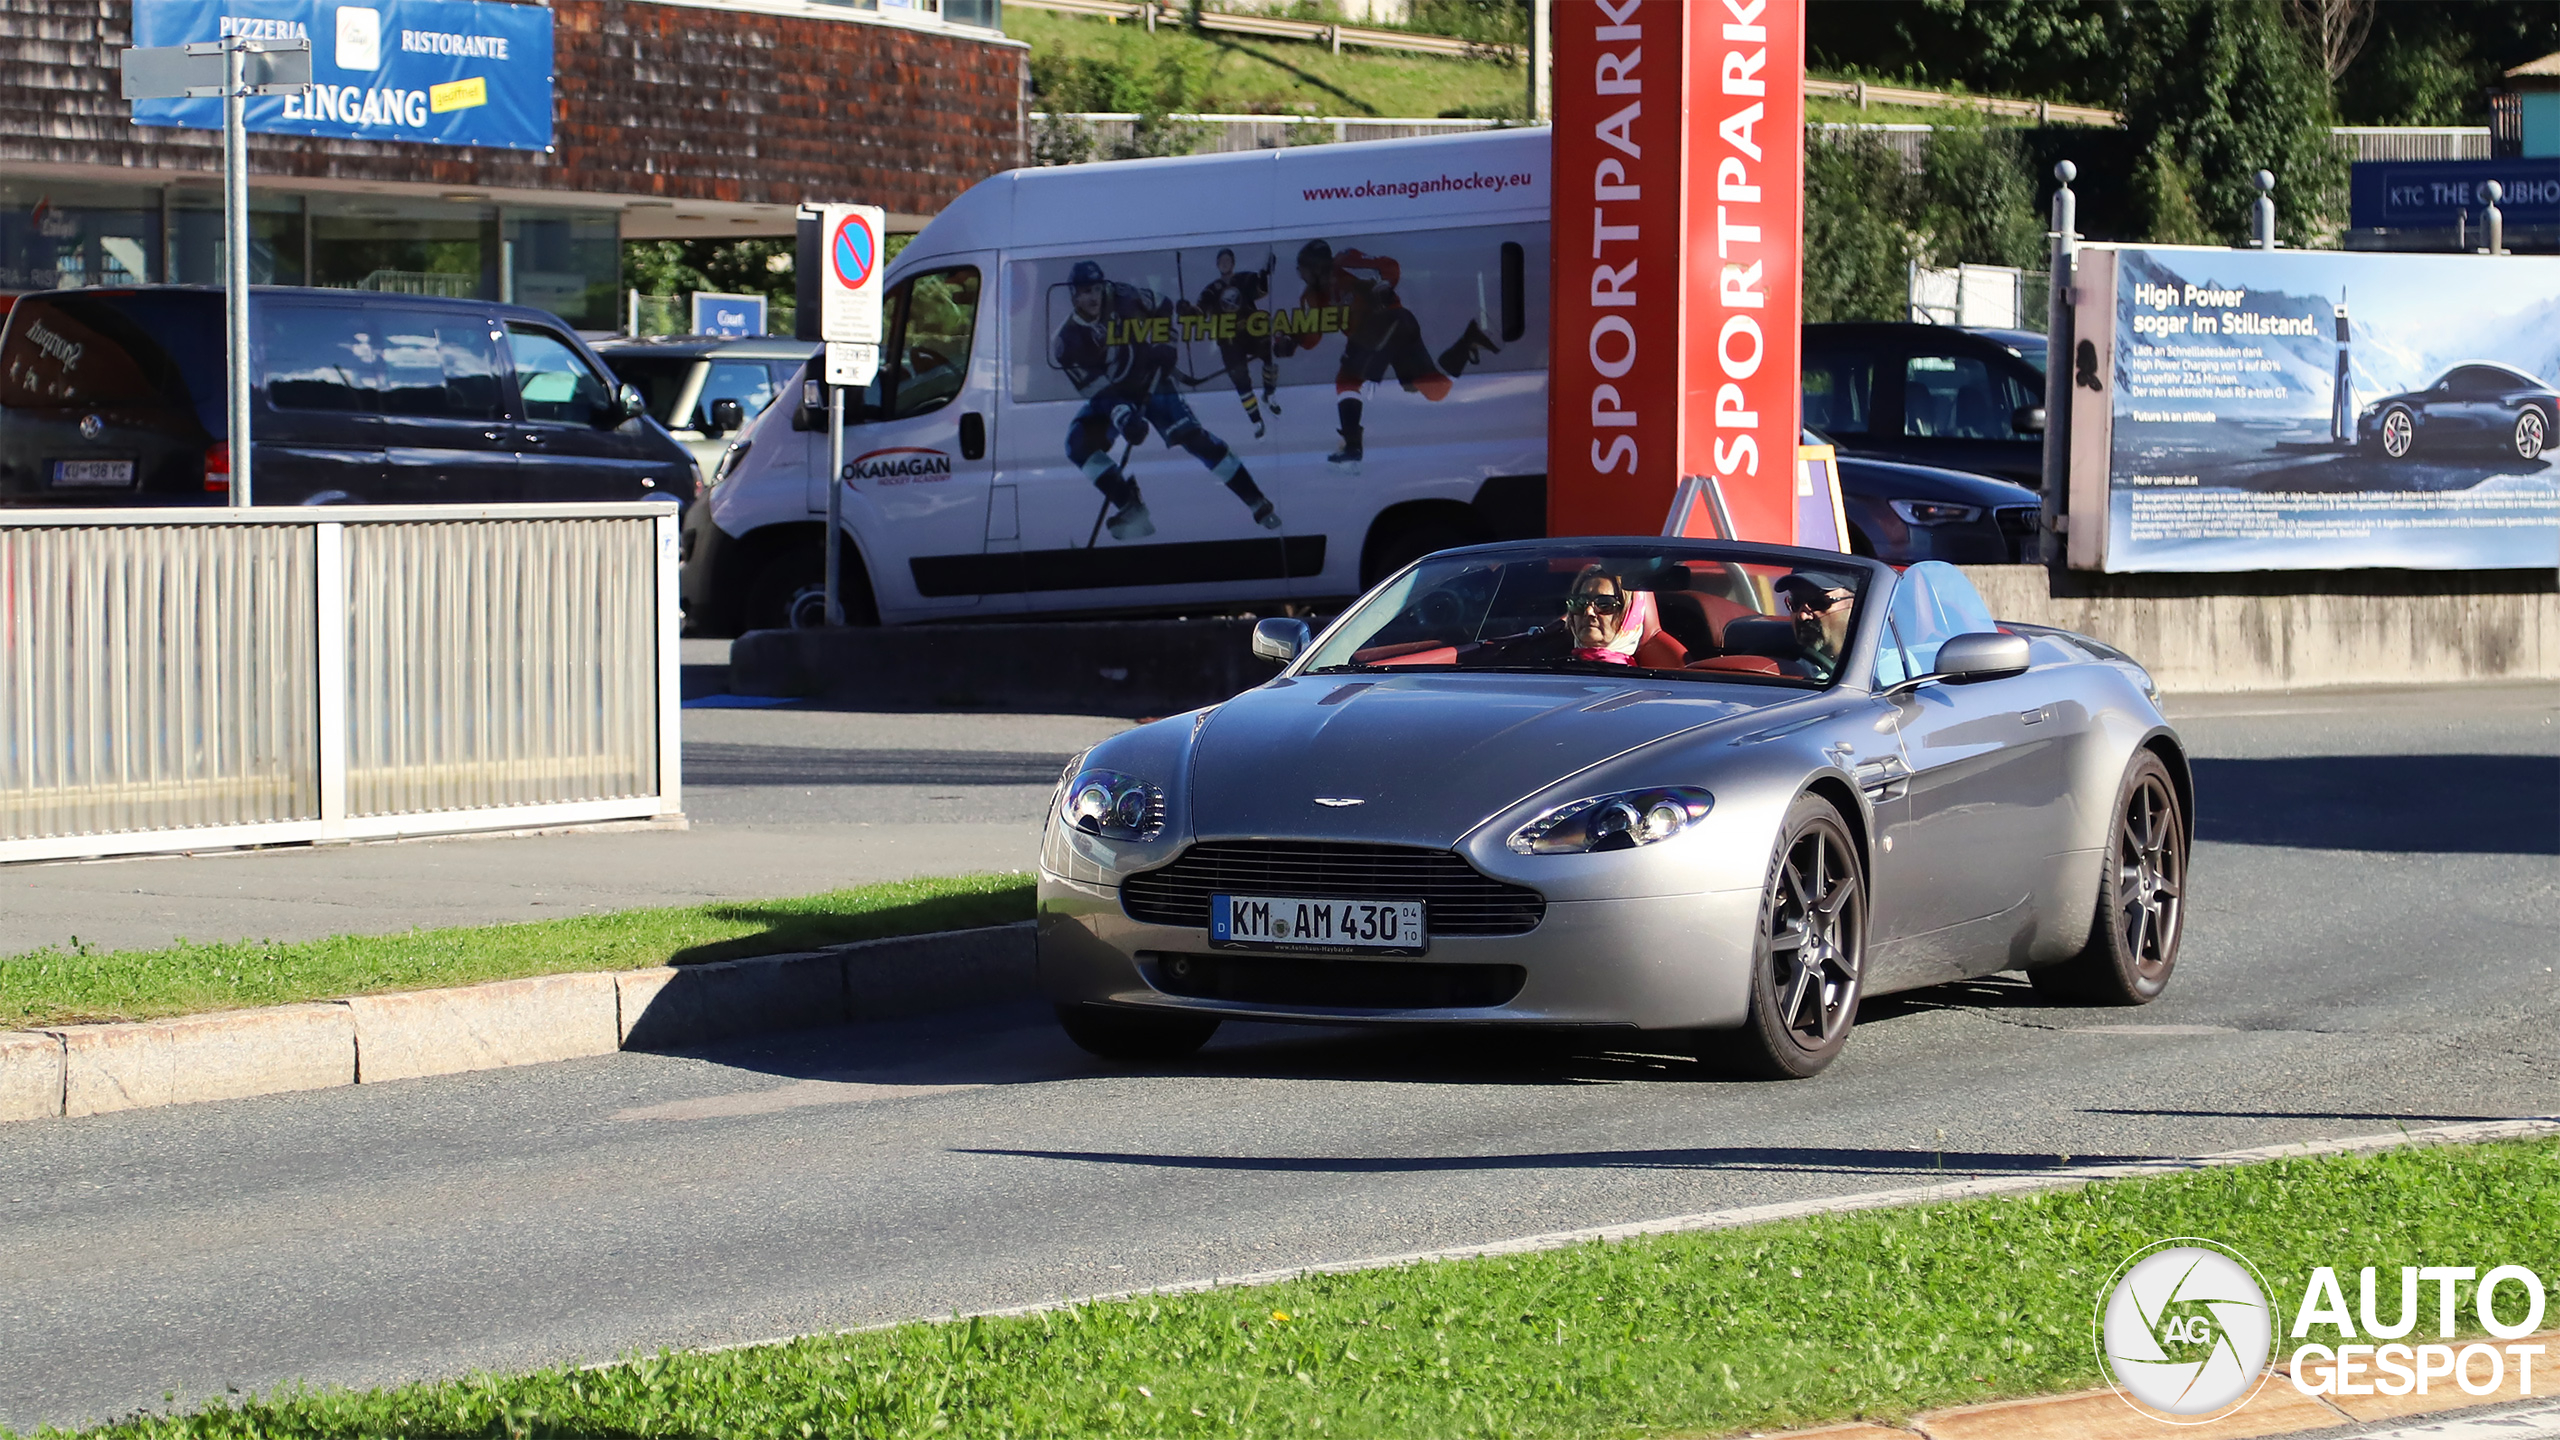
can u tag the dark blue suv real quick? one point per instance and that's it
(115, 397)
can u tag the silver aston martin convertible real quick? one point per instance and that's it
(1719, 791)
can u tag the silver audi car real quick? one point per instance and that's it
(1719, 792)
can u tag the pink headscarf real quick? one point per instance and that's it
(1634, 623)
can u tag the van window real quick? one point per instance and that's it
(1959, 397)
(940, 315)
(114, 352)
(438, 364)
(556, 381)
(746, 381)
(318, 357)
(659, 379)
(1839, 391)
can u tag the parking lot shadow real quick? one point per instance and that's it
(2439, 804)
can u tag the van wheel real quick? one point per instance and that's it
(1409, 541)
(790, 593)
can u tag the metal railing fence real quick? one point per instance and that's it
(182, 679)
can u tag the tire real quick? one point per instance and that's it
(1808, 962)
(1134, 1034)
(2141, 902)
(2531, 433)
(789, 591)
(1410, 541)
(2398, 433)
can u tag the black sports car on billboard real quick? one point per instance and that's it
(2480, 404)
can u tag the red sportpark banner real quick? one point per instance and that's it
(1676, 284)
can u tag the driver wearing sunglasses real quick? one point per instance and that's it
(1820, 609)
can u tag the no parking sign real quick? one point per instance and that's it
(849, 291)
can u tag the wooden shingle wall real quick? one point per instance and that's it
(680, 102)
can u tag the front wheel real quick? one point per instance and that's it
(1134, 1034)
(1809, 962)
(2530, 435)
(2399, 433)
(2133, 940)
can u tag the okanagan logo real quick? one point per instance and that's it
(2184, 1330)
(899, 465)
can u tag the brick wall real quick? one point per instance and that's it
(675, 101)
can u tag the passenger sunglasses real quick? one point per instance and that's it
(1602, 604)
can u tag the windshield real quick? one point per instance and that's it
(1606, 610)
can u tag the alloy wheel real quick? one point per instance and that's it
(2529, 435)
(1817, 939)
(2150, 877)
(2399, 432)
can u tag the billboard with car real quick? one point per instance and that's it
(2298, 410)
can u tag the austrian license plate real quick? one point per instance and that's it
(1324, 927)
(73, 474)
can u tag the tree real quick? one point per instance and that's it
(2219, 89)
(1858, 245)
(1977, 199)
(2337, 27)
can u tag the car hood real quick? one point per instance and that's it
(1428, 756)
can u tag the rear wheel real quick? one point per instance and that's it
(2133, 941)
(1809, 963)
(2531, 435)
(1134, 1034)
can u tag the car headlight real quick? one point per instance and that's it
(1114, 806)
(1935, 512)
(1614, 822)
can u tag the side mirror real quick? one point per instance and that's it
(628, 404)
(727, 415)
(1982, 655)
(1280, 638)
(2027, 420)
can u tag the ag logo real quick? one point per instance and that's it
(2183, 1330)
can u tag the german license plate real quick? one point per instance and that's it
(79, 473)
(1325, 927)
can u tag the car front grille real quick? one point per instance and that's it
(1335, 984)
(1457, 899)
(2018, 524)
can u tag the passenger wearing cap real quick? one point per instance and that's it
(1820, 608)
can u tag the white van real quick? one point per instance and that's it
(1157, 385)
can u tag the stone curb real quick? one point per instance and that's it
(80, 1070)
(2278, 1408)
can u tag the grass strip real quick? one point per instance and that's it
(60, 986)
(1876, 1315)
(1091, 63)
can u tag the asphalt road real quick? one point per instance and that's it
(2372, 943)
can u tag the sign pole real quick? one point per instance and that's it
(235, 237)
(835, 505)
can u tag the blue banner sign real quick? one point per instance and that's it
(2431, 194)
(2320, 410)
(432, 72)
(736, 316)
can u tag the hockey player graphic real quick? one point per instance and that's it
(1239, 293)
(1123, 364)
(1380, 333)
